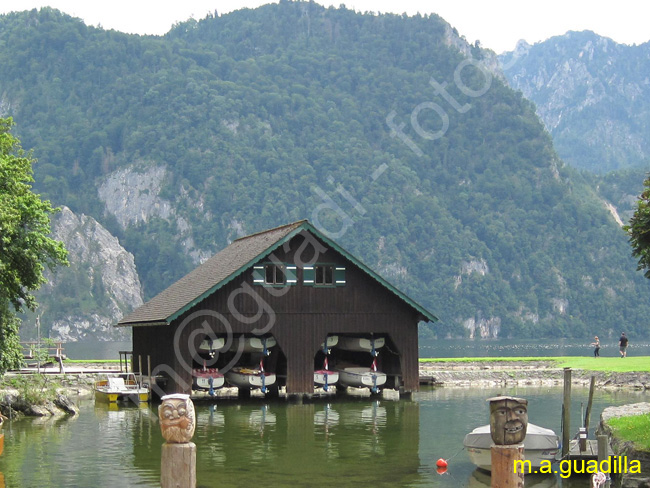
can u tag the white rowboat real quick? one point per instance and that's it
(209, 345)
(248, 378)
(360, 377)
(363, 344)
(325, 377)
(253, 344)
(206, 378)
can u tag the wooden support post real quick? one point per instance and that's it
(140, 369)
(503, 466)
(592, 385)
(149, 373)
(178, 465)
(603, 452)
(566, 413)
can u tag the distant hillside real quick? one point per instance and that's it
(593, 96)
(379, 129)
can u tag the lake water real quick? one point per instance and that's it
(343, 443)
(443, 348)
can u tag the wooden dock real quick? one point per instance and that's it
(590, 452)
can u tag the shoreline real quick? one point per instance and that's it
(535, 372)
(522, 373)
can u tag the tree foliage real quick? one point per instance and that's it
(253, 113)
(639, 230)
(25, 246)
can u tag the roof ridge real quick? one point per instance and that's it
(296, 224)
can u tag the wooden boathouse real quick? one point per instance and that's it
(291, 283)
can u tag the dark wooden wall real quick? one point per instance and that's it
(298, 316)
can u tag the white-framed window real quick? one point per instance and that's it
(323, 274)
(274, 274)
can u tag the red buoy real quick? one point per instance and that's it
(441, 469)
(441, 463)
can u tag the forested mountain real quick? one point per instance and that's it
(380, 129)
(593, 96)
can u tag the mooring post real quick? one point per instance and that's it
(592, 385)
(178, 459)
(508, 425)
(566, 413)
(603, 453)
(504, 472)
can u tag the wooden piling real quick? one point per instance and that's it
(178, 465)
(592, 385)
(566, 413)
(503, 473)
(603, 452)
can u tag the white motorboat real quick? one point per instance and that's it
(325, 378)
(120, 387)
(540, 446)
(253, 344)
(249, 378)
(207, 378)
(211, 345)
(361, 377)
(363, 344)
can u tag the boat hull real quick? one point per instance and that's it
(330, 342)
(201, 379)
(360, 344)
(120, 388)
(210, 345)
(540, 446)
(324, 377)
(361, 377)
(249, 378)
(253, 344)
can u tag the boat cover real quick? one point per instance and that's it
(537, 438)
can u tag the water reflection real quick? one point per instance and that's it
(481, 479)
(341, 442)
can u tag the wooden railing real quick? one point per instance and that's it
(31, 350)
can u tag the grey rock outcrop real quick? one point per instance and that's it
(591, 93)
(101, 284)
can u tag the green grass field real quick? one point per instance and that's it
(615, 364)
(635, 428)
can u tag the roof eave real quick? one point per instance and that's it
(236, 273)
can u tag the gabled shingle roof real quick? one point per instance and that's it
(229, 263)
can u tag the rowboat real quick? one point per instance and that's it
(253, 344)
(207, 378)
(249, 378)
(325, 378)
(363, 344)
(540, 446)
(330, 342)
(361, 377)
(211, 345)
(120, 387)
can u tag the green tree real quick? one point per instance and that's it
(25, 246)
(639, 230)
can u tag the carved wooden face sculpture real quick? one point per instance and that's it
(177, 421)
(508, 420)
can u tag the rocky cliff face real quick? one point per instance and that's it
(592, 94)
(132, 196)
(83, 301)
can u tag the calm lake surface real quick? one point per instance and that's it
(443, 348)
(343, 443)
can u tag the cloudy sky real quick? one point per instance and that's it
(498, 24)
